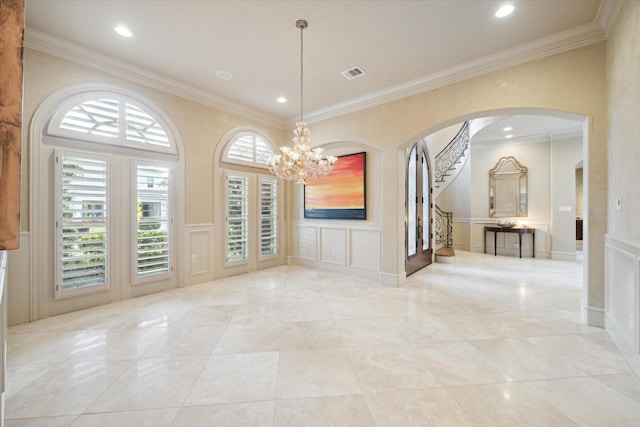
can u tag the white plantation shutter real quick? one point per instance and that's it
(268, 216)
(263, 151)
(98, 117)
(153, 220)
(242, 149)
(248, 148)
(142, 128)
(112, 119)
(82, 223)
(237, 217)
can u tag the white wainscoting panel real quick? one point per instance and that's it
(3, 331)
(199, 254)
(307, 242)
(333, 243)
(343, 247)
(364, 249)
(18, 282)
(622, 298)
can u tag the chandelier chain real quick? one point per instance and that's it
(302, 26)
(301, 163)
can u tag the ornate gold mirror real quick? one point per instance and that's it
(508, 189)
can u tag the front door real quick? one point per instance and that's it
(418, 210)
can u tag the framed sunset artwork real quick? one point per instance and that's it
(342, 193)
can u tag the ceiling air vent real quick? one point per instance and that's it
(352, 73)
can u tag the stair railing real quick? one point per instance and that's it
(444, 227)
(451, 154)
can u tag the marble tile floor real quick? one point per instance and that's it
(486, 341)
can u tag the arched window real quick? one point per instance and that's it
(251, 201)
(114, 164)
(249, 149)
(110, 118)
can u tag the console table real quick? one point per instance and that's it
(520, 231)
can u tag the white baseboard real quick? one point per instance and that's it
(592, 316)
(335, 268)
(563, 256)
(392, 280)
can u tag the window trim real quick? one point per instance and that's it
(253, 163)
(52, 128)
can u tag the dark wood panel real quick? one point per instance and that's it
(11, 54)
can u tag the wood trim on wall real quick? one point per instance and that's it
(11, 59)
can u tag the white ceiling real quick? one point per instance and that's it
(402, 46)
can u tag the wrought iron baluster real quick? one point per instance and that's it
(451, 154)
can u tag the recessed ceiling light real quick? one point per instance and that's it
(281, 99)
(123, 31)
(224, 75)
(507, 129)
(505, 10)
(508, 136)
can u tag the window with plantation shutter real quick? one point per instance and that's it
(268, 216)
(99, 117)
(112, 119)
(153, 220)
(237, 217)
(142, 128)
(248, 148)
(105, 207)
(82, 223)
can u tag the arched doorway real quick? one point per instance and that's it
(418, 250)
(466, 223)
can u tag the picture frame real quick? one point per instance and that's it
(342, 193)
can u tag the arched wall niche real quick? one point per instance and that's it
(345, 246)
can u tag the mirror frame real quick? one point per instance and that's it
(510, 205)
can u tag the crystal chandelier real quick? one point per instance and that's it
(301, 163)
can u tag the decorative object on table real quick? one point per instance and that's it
(301, 163)
(507, 224)
(342, 193)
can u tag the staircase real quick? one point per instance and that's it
(446, 166)
(444, 235)
(451, 156)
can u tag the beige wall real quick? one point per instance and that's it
(565, 154)
(572, 82)
(623, 71)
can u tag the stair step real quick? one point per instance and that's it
(446, 252)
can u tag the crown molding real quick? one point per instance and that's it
(44, 42)
(547, 46)
(607, 13)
